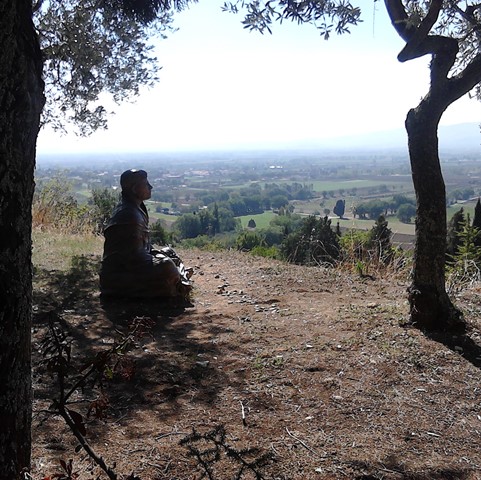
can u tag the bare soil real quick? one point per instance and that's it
(315, 368)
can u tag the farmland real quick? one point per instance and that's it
(312, 184)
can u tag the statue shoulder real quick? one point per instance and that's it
(127, 213)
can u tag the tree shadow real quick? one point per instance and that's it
(168, 358)
(57, 290)
(461, 344)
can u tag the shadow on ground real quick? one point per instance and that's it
(163, 363)
(463, 345)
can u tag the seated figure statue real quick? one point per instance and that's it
(130, 266)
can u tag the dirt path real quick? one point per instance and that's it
(310, 366)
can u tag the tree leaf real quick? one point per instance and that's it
(78, 419)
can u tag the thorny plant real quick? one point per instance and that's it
(208, 449)
(67, 473)
(464, 274)
(56, 349)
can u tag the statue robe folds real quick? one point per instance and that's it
(130, 266)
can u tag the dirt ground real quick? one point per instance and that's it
(273, 371)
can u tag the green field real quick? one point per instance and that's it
(154, 216)
(320, 186)
(317, 205)
(262, 220)
(468, 207)
(393, 223)
(84, 195)
(167, 219)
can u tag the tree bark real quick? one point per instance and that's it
(430, 306)
(21, 102)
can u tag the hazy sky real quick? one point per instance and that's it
(225, 87)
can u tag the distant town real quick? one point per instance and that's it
(255, 186)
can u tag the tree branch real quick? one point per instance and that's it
(444, 51)
(37, 6)
(399, 19)
(417, 39)
(83, 442)
(419, 42)
(421, 33)
(466, 80)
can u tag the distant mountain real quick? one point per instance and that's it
(463, 138)
(459, 138)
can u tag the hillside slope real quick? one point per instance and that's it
(309, 365)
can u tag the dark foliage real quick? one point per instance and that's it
(145, 11)
(454, 239)
(340, 208)
(158, 235)
(315, 243)
(380, 239)
(477, 222)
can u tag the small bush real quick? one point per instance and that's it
(212, 244)
(246, 241)
(267, 252)
(104, 202)
(314, 244)
(55, 207)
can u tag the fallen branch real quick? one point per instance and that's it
(163, 435)
(307, 447)
(243, 412)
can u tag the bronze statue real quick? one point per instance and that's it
(131, 267)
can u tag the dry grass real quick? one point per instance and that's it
(54, 249)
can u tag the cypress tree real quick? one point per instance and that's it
(314, 243)
(380, 239)
(477, 223)
(468, 251)
(477, 215)
(339, 208)
(454, 240)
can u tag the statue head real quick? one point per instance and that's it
(134, 183)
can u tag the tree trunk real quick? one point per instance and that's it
(21, 101)
(430, 306)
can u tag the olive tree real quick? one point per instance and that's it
(21, 102)
(85, 48)
(449, 31)
(95, 56)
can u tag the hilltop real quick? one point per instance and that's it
(313, 366)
